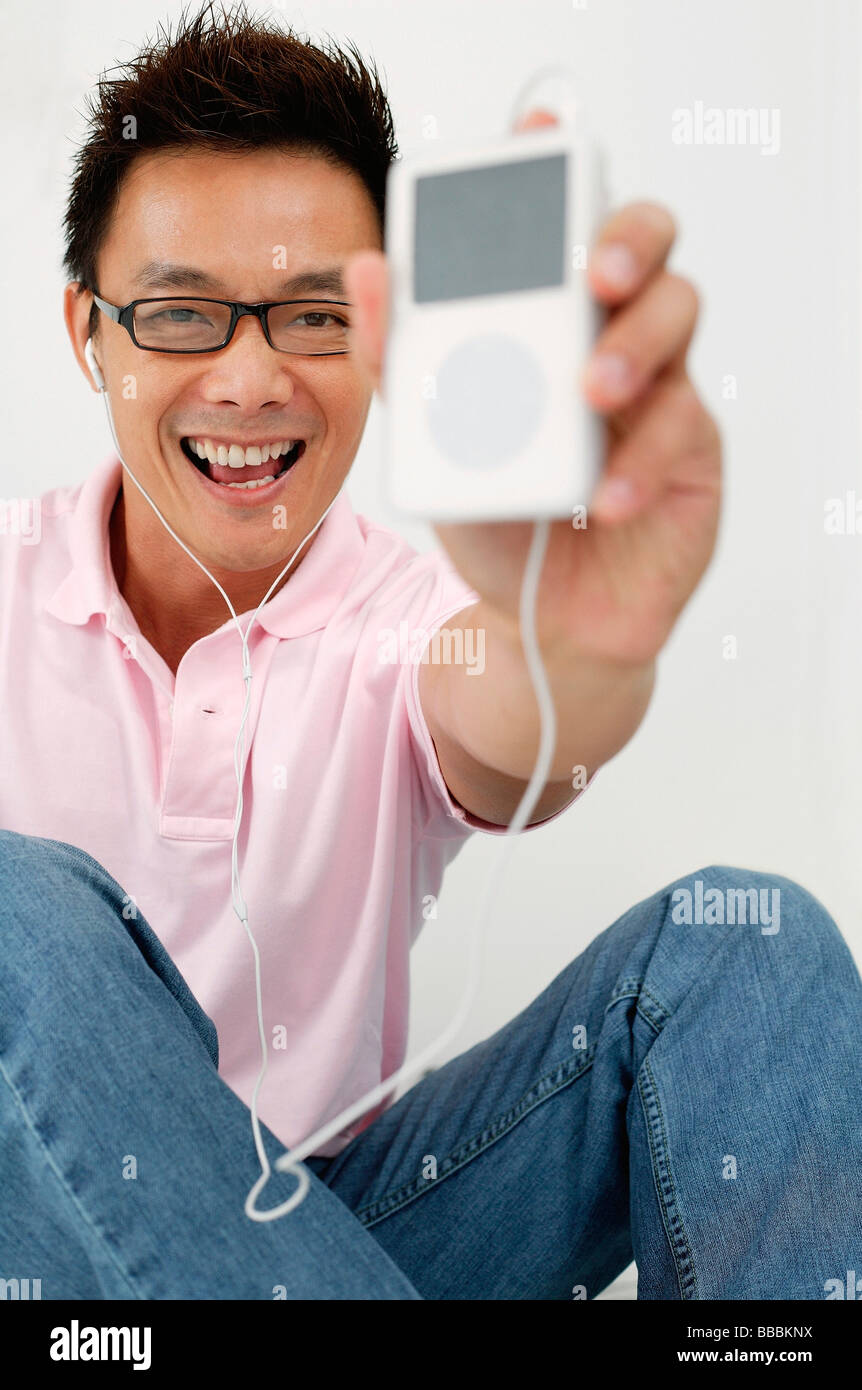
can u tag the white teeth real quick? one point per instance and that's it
(255, 482)
(235, 456)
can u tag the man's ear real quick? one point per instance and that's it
(77, 304)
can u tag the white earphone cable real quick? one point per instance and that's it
(291, 1160)
(547, 741)
(239, 904)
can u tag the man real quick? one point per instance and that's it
(234, 163)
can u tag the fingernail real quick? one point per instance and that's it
(614, 498)
(537, 119)
(616, 265)
(554, 90)
(610, 372)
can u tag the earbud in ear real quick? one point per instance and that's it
(90, 356)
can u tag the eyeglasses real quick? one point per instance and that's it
(206, 325)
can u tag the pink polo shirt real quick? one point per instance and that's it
(348, 823)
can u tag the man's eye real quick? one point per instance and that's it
(178, 316)
(320, 314)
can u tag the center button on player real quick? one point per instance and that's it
(490, 394)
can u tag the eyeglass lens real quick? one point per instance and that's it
(177, 325)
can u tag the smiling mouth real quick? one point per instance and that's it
(239, 466)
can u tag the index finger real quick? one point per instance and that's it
(633, 244)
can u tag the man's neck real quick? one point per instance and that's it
(173, 601)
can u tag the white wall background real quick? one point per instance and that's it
(756, 761)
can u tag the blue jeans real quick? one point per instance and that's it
(684, 1092)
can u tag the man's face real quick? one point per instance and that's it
(242, 227)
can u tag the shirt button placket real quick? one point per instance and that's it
(207, 708)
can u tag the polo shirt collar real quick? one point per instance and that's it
(304, 604)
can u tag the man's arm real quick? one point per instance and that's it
(485, 723)
(609, 593)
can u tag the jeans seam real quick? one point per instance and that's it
(70, 1195)
(635, 989)
(664, 1183)
(563, 1074)
(661, 1013)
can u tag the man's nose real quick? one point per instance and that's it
(248, 372)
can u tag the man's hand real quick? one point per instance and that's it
(609, 593)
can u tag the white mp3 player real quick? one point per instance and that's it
(491, 324)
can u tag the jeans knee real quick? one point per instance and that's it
(64, 918)
(770, 903)
(44, 884)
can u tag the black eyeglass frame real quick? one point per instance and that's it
(125, 316)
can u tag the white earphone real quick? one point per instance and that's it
(90, 355)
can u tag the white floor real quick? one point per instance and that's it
(624, 1286)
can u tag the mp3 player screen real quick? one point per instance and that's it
(490, 230)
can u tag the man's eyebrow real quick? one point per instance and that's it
(329, 281)
(164, 275)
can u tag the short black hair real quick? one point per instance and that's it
(226, 80)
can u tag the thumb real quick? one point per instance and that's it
(366, 282)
